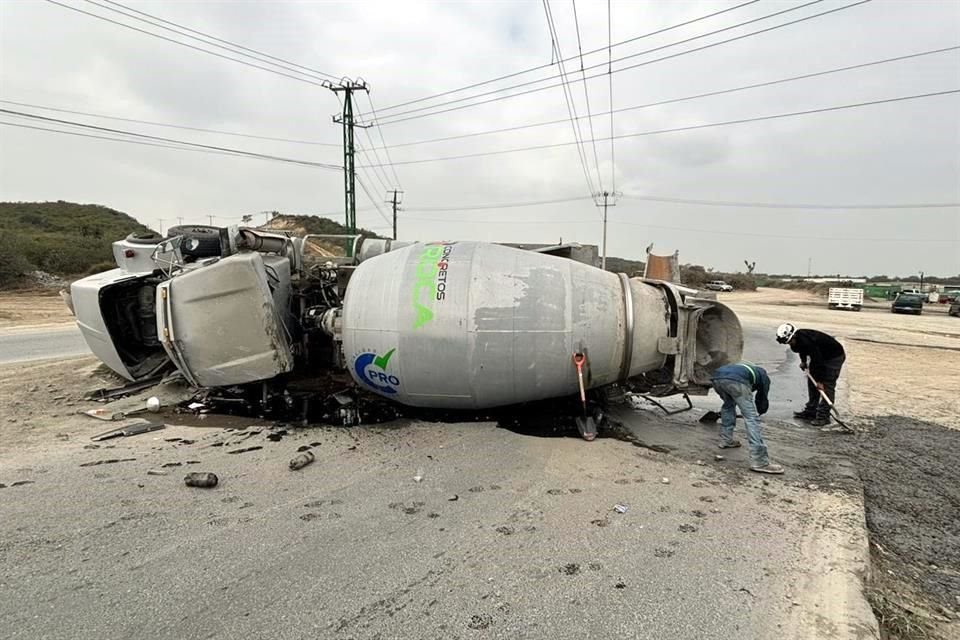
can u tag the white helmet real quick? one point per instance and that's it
(785, 332)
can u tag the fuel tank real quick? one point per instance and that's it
(471, 325)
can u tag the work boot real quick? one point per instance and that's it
(804, 415)
(772, 469)
(820, 421)
(733, 444)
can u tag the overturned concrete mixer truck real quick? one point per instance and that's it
(446, 325)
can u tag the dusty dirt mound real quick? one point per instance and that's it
(913, 501)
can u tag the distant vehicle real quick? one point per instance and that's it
(949, 296)
(955, 308)
(845, 298)
(718, 285)
(908, 303)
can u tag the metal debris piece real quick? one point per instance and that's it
(453, 498)
(107, 394)
(301, 460)
(134, 429)
(303, 448)
(157, 472)
(245, 449)
(202, 480)
(109, 461)
(719, 458)
(620, 508)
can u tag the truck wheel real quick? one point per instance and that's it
(144, 237)
(200, 241)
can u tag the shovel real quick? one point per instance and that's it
(833, 409)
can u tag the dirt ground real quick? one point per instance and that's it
(896, 364)
(901, 385)
(21, 309)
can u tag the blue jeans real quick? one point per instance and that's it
(738, 394)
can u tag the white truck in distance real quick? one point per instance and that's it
(845, 298)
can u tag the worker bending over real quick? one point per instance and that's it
(735, 384)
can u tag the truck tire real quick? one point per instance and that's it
(144, 237)
(200, 241)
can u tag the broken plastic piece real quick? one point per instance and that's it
(620, 508)
(201, 480)
(129, 430)
(301, 460)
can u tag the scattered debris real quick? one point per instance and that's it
(202, 480)
(153, 404)
(687, 528)
(419, 476)
(110, 461)
(620, 508)
(480, 622)
(20, 483)
(453, 498)
(710, 416)
(301, 460)
(157, 472)
(125, 431)
(571, 569)
(507, 531)
(108, 393)
(719, 458)
(665, 480)
(303, 448)
(620, 585)
(276, 436)
(245, 449)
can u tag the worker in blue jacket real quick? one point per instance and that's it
(735, 384)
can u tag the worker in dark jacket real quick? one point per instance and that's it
(735, 384)
(824, 357)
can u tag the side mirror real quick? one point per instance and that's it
(167, 255)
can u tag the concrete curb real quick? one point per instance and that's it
(832, 598)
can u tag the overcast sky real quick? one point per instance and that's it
(905, 152)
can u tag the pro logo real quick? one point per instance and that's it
(371, 369)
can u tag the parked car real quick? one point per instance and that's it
(718, 285)
(955, 308)
(908, 303)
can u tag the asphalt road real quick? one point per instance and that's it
(25, 345)
(505, 535)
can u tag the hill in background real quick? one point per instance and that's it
(62, 238)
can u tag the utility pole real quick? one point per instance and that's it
(211, 220)
(179, 219)
(161, 225)
(347, 87)
(395, 201)
(607, 196)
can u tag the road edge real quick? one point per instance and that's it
(832, 601)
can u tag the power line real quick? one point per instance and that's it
(233, 154)
(586, 97)
(186, 44)
(171, 140)
(568, 99)
(373, 201)
(169, 125)
(547, 66)
(613, 156)
(687, 229)
(502, 205)
(707, 94)
(779, 205)
(690, 127)
(383, 142)
(395, 118)
(207, 35)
